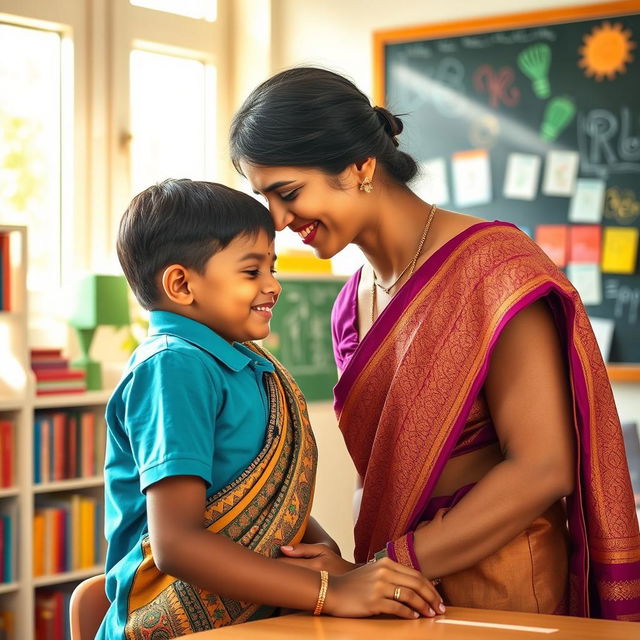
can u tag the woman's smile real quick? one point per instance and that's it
(307, 232)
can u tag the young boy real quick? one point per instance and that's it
(201, 424)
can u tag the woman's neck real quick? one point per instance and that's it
(390, 243)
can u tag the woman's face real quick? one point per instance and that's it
(327, 212)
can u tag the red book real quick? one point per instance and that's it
(72, 445)
(59, 446)
(88, 428)
(6, 272)
(37, 364)
(60, 374)
(55, 392)
(60, 524)
(6, 453)
(46, 353)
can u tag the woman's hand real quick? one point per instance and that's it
(316, 556)
(369, 590)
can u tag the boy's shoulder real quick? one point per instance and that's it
(166, 345)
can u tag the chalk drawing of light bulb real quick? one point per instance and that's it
(557, 116)
(534, 62)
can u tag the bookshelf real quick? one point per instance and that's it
(20, 406)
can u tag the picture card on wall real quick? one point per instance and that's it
(620, 250)
(552, 239)
(471, 177)
(522, 176)
(603, 329)
(587, 279)
(560, 171)
(584, 243)
(431, 184)
(587, 202)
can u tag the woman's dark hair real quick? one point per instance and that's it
(182, 222)
(310, 117)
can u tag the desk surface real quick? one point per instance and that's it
(457, 624)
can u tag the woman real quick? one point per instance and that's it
(473, 398)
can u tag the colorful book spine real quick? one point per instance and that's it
(5, 272)
(6, 453)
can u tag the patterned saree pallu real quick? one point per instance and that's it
(266, 507)
(408, 388)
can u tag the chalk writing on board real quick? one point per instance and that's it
(512, 37)
(626, 300)
(621, 205)
(497, 84)
(606, 142)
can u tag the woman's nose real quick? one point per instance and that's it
(281, 217)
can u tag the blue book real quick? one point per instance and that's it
(37, 444)
(8, 548)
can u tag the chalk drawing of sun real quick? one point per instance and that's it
(606, 51)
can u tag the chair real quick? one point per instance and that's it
(87, 608)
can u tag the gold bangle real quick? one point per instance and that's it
(324, 585)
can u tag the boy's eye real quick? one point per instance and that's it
(254, 273)
(273, 270)
(290, 195)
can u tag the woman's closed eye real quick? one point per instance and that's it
(288, 196)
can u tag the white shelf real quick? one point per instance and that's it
(67, 576)
(11, 404)
(68, 485)
(87, 399)
(8, 587)
(9, 492)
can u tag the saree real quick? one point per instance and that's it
(267, 506)
(408, 387)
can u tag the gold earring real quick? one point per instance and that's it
(366, 185)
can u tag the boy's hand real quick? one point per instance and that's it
(370, 589)
(316, 556)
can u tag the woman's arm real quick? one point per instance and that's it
(184, 549)
(529, 399)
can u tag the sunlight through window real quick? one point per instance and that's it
(201, 9)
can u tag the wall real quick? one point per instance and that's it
(338, 35)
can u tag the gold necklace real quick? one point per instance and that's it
(412, 264)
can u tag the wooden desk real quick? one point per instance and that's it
(532, 627)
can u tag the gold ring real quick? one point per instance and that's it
(396, 594)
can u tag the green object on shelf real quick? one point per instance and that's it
(99, 300)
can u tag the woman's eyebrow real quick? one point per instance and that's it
(275, 185)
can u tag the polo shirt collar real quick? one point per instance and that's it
(235, 357)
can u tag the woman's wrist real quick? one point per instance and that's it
(322, 593)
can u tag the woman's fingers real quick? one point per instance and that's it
(409, 597)
(393, 608)
(303, 550)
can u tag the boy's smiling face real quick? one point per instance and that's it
(236, 292)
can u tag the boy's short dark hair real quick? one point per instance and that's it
(182, 222)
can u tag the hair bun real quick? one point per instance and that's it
(392, 124)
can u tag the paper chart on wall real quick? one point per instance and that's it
(561, 169)
(584, 243)
(552, 239)
(471, 177)
(620, 250)
(431, 185)
(522, 176)
(603, 329)
(587, 202)
(587, 279)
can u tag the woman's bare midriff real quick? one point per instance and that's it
(467, 469)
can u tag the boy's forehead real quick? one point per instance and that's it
(253, 243)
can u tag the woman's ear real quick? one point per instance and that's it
(366, 169)
(176, 286)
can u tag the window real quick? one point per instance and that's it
(202, 9)
(30, 144)
(172, 118)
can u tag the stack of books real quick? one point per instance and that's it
(67, 444)
(53, 374)
(52, 614)
(67, 535)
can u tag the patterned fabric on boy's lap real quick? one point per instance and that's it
(267, 506)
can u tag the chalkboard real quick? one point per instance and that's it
(301, 333)
(489, 85)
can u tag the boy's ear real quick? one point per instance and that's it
(175, 283)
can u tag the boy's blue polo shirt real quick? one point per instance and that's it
(189, 403)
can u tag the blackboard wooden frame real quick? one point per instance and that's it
(489, 24)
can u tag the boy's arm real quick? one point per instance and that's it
(315, 534)
(183, 548)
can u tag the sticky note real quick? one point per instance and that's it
(587, 279)
(587, 202)
(522, 176)
(603, 329)
(584, 243)
(471, 177)
(552, 239)
(560, 172)
(619, 250)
